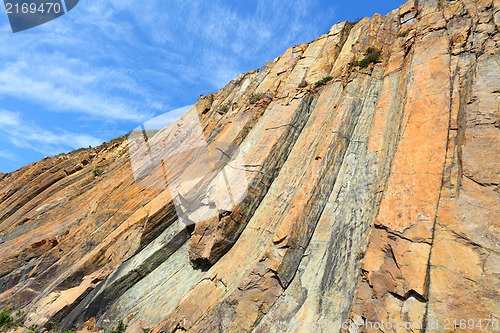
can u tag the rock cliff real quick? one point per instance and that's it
(363, 171)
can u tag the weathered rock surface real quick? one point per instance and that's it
(373, 197)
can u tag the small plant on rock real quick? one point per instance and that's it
(34, 328)
(6, 321)
(324, 81)
(372, 56)
(402, 34)
(97, 172)
(255, 97)
(120, 328)
(355, 21)
(56, 328)
(222, 109)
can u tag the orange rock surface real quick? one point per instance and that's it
(281, 203)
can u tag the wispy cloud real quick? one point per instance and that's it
(8, 118)
(73, 88)
(93, 62)
(221, 39)
(109, 65)
(24, 133)
(166, 119)
(9, 156)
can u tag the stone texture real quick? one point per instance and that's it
(372, 198)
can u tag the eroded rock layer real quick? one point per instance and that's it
(372, 195)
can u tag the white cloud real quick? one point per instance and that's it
(166, 119)
(26, 134)
(217, 39)
(73, 88)
(78, 64)
(197, 43)
(117, 62)
(9, 156)
(8, 118)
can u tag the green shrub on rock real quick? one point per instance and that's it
(120, 328)
(372, 56)
(324, 81)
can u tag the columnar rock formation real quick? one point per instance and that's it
(374, 195)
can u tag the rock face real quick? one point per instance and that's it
(371, 197)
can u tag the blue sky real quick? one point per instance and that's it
(108, 65)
